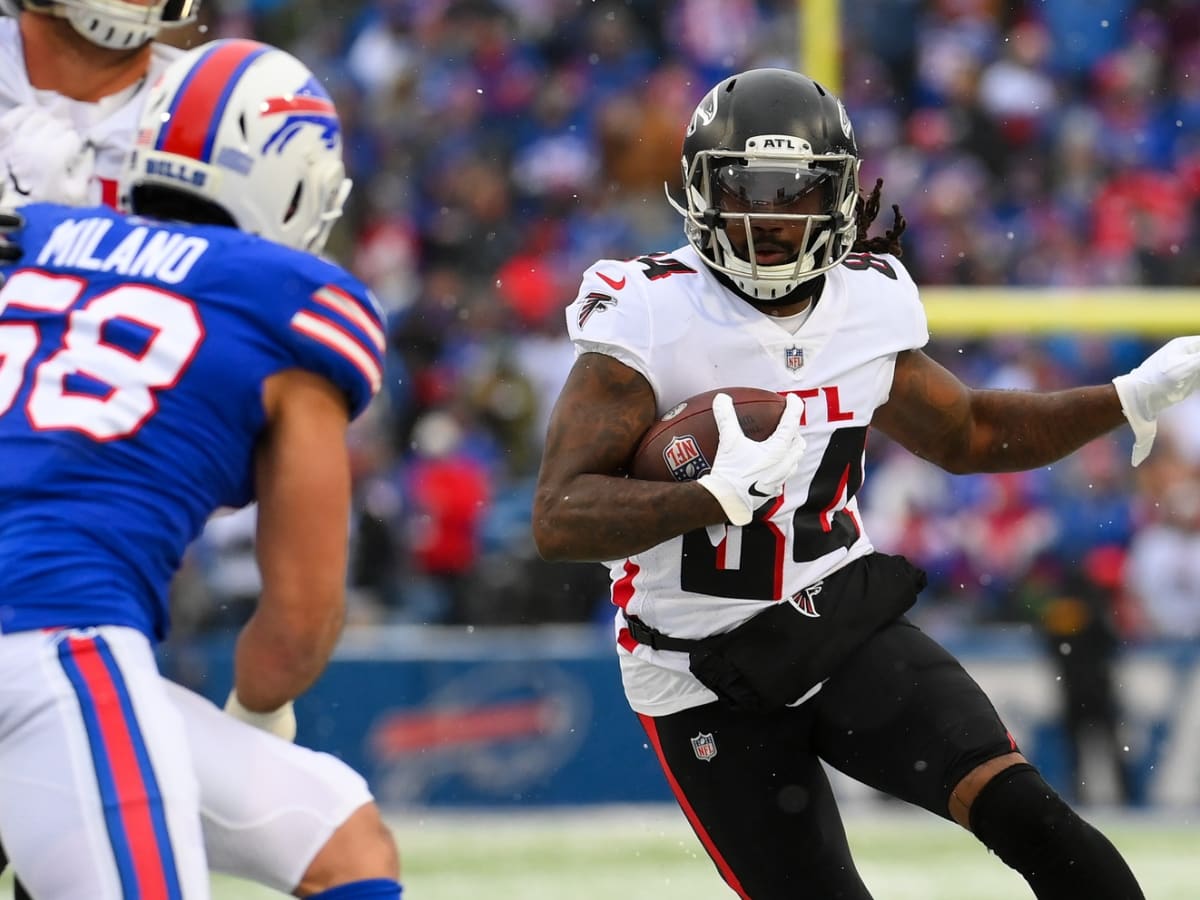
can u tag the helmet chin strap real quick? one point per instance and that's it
(805, 290)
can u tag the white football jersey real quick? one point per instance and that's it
(109, 124)
(668, 317)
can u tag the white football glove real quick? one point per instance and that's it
(43, 159)
(747, 473)
(1168, 375)
(280, 722)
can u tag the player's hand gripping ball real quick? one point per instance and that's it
(682, 445)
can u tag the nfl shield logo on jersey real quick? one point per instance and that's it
(794, 357)
(704, 747)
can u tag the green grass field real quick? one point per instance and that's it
(649, 853)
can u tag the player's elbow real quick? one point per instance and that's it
(954, 464)
(955, 456)
(550, 546)
(549, 533)
(301, 658)
(980, 453)
(305, 632)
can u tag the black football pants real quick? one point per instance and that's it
(900, 714)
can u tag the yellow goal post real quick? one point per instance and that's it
(986, 311)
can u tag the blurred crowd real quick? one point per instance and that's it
(499, 147)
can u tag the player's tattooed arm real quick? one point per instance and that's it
(584, 508)
(933, 414)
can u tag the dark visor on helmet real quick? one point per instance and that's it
(178, 11)
(776, 188)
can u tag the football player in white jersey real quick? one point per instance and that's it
(73, 76)
(759, 634)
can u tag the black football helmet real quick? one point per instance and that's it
(757, 142)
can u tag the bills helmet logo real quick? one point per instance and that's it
(308, 106)
(594, 302)
(685, 459)
(704, 746)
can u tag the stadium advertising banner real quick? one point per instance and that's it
(536, 717)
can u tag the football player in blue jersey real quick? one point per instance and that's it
(73, 77)
(152, 369)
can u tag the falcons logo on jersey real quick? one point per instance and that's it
(593, 302)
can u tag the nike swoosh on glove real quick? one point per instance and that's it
(43, 159)
(746, 473)
(1169, 374)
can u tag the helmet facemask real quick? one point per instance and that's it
(330, 188)
(763, 185)
(118, 24)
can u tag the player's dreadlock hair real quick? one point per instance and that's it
(866, 208)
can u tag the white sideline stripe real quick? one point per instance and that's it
(329, 334)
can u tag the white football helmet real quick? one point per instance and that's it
(248, 129)
(115, 24)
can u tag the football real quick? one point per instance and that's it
(682, 445)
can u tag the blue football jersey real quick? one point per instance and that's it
(132, 358)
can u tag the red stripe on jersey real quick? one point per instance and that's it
(126, 773)
(342, 342)
(826, 515)
(200, 99)
(625, 640)
(854, 519)
(780, 546)
(722, 866)
(345, 305)
(622, 589)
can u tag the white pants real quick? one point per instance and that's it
(115, 782)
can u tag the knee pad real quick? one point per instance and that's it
(1020, 818)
